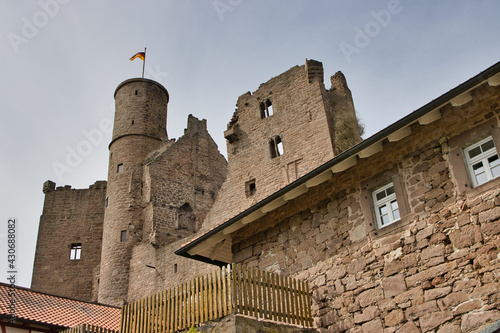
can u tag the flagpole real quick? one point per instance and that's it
(144, 63)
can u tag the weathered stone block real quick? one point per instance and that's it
(394, 317)
(370, 296)
(433, 320)
(368, 314)
(394, 285)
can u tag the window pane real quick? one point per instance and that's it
(474, 152)
(479, 173)
(380, 195)
(390, 190)
(478, 168)
(494, 165)
(395, 209)
(487, 145)
(384, 215)
(279, 148)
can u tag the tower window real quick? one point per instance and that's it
(482, 161)
(266, 109)
(123, 236)
(119, 168)
(107, 201)
(250, 188)
(275, 146)
(75, 252)
(175, 268)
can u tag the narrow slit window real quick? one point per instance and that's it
(269, 108)
(175, 268)
(75, 252)
(262, 110)
(123, 236)
(266, 109)
(276, 146)
(483, 161)
(250, 188)
(386, 206)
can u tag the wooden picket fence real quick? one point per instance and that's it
(84, 328)
(234, 289)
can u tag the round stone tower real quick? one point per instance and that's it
(140, 127)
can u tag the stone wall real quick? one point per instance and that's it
(69, 216)
(240, 324)
(304, 118)
(181, 184)
(436, 270)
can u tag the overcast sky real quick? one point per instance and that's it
(61, 61)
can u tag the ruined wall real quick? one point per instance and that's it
(303, 118)
(435, 270)
(69, 216)
(181, 184)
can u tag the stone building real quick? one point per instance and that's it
(395, 233)
(399, 233)
(160, 192)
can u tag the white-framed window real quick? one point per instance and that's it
(482, 161)
(75, 252)
(386, 205)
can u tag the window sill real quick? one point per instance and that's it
(489, 185)
(393, 227)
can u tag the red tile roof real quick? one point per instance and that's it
(59, 311)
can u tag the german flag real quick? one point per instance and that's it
(140, 55)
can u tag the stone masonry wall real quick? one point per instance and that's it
(181, 184)
(437, 270)
(69, 216)
(303, 118)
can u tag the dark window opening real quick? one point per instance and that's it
(136, 92)
(266, 109)
(250, 188)
(119, 168)
(76, 251)
(107, 201)
(123, 236)
(132, 122)
(175, 268)
(275, 146)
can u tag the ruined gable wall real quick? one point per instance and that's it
(184, 182)
(299, 119)
(69, 216)
(438, 269)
